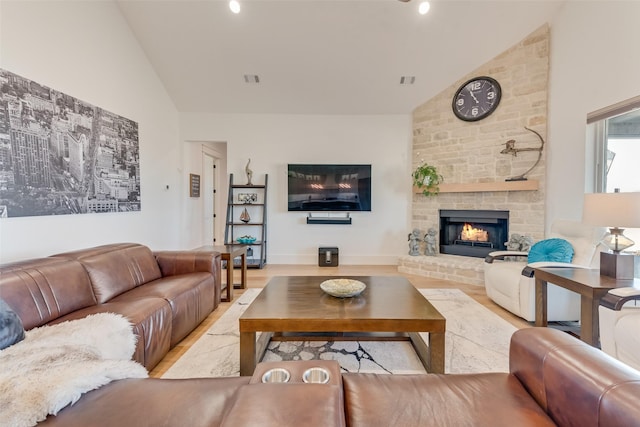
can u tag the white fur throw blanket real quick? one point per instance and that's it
(54, 365)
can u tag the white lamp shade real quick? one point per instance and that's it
(612, 209)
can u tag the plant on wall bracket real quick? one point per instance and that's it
(427, 178)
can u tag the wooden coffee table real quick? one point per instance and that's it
(295, 308)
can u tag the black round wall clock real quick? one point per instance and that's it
(476, 99)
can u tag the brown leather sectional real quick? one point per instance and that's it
(165, 295)
(554, 379)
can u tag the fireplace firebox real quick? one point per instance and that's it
(473, 233)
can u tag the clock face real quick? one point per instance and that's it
(476, 99)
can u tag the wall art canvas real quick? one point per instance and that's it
(60, 155)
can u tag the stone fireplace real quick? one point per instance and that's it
(469, 155)
(473, 233)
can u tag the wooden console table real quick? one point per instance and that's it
(589, 284)
(229, 253)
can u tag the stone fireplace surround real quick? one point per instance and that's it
(526, 216)
(469, 157)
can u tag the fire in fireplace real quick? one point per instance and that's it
(473, 233)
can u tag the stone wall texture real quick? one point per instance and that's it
(469, 152)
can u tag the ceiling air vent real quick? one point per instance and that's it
(407, 80)
(251, 78)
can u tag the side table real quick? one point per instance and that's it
(589, 284)
(229, 253)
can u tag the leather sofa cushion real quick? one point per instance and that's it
(492, 399)
(190, 296)
(151, 320)
(278, 404)
(194, 402)
(41, 290)
(116, 268)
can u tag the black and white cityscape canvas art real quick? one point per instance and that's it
(60, 155)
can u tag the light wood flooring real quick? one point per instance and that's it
(257, 278)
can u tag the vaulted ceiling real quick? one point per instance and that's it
(322, 56)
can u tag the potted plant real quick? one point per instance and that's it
(427, 178)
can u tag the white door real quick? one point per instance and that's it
(209, 201)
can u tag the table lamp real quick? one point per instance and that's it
(614, 210)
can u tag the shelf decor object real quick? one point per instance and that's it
(244, 216)
(614, 210)
(247, 198)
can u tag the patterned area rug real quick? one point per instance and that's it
(476, 340)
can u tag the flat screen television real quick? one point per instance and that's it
(337, 188)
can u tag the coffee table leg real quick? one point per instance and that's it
(436, 347)
(247, 353)
(432, 354)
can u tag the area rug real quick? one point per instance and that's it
(476, 340)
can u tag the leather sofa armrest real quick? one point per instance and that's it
(500, 255)
(183, 262)
(616, 298)
(574, 383)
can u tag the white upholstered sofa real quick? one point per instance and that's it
(619, 314)
(510, 283)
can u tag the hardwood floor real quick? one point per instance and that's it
(257, 278)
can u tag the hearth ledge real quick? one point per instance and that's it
(462, 269)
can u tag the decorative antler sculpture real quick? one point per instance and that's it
(510, 148)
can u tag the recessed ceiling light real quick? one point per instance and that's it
(407, 80)
(234, 5)
(424, 8)
(251, 78)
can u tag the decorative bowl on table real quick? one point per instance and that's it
(246, 240)
(343, 288)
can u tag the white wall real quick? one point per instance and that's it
(273, 141)
(594, 63)
(86, 50)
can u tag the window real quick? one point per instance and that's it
(613, 149)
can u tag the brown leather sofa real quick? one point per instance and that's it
(554, 379)
(165, 295)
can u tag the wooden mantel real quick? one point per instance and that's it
(478, 187)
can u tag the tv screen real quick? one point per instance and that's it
(329, 188)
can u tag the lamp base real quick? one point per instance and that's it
(618, 266)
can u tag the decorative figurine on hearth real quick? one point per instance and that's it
(414, 242)
(430, 239)
(514, 242)
(525, 243)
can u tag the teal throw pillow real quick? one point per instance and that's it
(551, 250)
